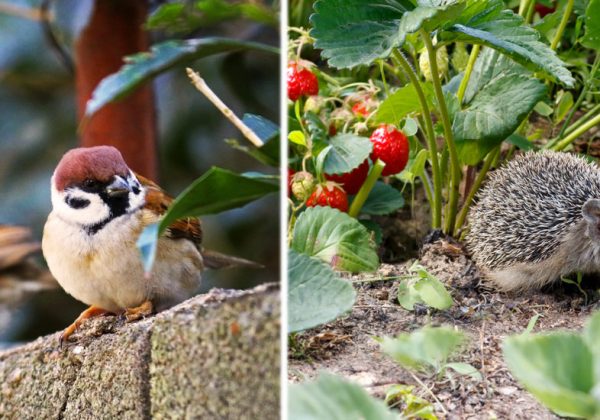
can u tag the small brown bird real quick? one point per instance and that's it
(100, 207)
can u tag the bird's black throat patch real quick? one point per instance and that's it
(118, 207)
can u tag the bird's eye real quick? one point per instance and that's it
(90, 183)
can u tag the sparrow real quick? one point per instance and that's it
(99, 209)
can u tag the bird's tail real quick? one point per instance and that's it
(216, 260)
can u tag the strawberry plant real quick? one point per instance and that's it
(559, 368)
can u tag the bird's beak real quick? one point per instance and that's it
(118, 188)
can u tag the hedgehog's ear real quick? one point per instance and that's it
(591, 214)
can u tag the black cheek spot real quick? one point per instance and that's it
(77, 203)
(135, 190)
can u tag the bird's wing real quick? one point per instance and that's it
(157, 201)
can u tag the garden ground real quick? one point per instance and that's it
(346, 347)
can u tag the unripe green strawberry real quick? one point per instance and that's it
(460, 57)
(441, 59)
(329, 195)
(301, 82)
(391, 146)
(303, 183)
(314, 104)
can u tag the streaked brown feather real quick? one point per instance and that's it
(157, 201)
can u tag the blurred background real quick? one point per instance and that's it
(38, 123)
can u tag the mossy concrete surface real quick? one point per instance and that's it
(213, 356)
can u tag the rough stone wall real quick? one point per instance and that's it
(215, 356)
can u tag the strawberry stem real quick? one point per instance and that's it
(436, 205)
(366, 188)
(453, 194)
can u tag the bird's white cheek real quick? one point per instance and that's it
(94, 212)
(137, 200)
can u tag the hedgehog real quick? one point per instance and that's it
(536, 219)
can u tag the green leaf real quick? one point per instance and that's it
(425, 349)
(182, 18)
(333, 398)
(408, 296)
(415, 167)
(564, 104)
(433, 293)
(297, 137)
(521, 142)
(398, 105)
(420, 286)
(591, 335)
(142, 67)
(484, 22)
(355, 32)
(494, 114)
(268, 132)
(591, 39)
(465, 369)
(336, 238)
(557, 368)
(214, 192)
(429, 15)
(265, 129)
(383, 199)
(316, 294)
(347, 153)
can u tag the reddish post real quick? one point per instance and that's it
(114, 31)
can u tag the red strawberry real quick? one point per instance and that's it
(301, 82)
(360, 109)
(329, 194)
(544, 10)
(391, 146)
(352, 181)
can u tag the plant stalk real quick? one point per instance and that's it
(584, 91)
(563, 24)
(465, 80)
(436, 222)
(366, 188)
(576, 133)
(524, 7)
(487, 163)
(585, 117)
(454, 163)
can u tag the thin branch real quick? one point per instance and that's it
(201, 85)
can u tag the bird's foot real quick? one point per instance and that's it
(139, 312)
(90, 312)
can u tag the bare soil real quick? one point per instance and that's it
(346, 347)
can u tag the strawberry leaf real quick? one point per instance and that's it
(563, 384)
(383, 199)
(591, 39)
(486, 23)
(425, 349)
(331, 397)
(500, 94)
(401, 103)
(347, 152)
(316, 294)
(335, 238)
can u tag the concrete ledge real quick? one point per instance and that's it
(213, 356)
